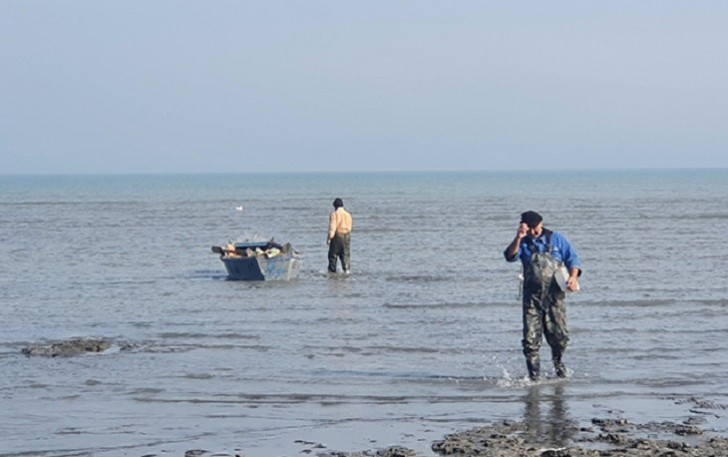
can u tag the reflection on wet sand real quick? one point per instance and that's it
(553, 426)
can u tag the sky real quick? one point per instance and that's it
(180, 86)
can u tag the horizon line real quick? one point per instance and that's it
(368, 172)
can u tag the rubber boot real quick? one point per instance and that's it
(559, 365)
(534, 368)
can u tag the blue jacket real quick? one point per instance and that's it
(561, 249)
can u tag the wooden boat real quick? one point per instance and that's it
(259, 261)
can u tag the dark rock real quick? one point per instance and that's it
(195, 453)
(684, 430)
(68, 348)
(396, 451)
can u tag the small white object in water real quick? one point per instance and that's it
(239, 208)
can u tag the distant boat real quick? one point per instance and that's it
(259, 261)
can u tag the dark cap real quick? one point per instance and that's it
(338, 203)
(531, 218)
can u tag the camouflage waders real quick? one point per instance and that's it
(544, 314)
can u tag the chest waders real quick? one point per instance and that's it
(544, 313)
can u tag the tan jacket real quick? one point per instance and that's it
(339, 222)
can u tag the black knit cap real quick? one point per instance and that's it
(531, 218)
(338, 203)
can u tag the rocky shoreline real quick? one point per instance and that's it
(606, 438)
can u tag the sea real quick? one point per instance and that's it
(421, 340)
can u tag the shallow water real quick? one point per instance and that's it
(421, 340)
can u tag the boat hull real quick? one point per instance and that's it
(261, 268)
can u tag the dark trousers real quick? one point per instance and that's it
(340, 248)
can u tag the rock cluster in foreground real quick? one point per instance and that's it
(607, 438)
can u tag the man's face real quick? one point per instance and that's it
(536, 230)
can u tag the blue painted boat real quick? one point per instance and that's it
(260, 261)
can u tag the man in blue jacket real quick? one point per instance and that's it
(550, 268)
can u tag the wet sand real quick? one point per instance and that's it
(534, 437)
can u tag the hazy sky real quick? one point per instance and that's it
(102, 86)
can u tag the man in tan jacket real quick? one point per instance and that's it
(339, 237)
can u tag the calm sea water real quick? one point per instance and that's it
(423, 339)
